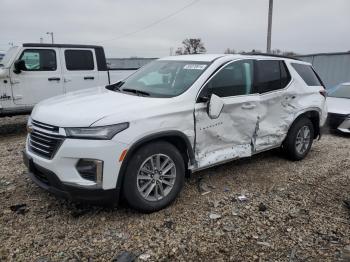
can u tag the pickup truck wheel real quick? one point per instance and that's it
(299, 139)
(154, 177)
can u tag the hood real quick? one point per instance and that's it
(84, 108)
(338, 105)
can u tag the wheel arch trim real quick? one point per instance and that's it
(149, 138)
(308, 113)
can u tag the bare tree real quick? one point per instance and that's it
(289, 53)
(191, 46)
(276, 51)
(230, 51)
(281, 52)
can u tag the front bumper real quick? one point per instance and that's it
(63, 163)
(339, 122)
(49, 181)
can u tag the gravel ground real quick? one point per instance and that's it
(294, 211)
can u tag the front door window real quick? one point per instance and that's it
(39, 59)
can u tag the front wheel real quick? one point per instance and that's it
(299, 139)
(154, 177)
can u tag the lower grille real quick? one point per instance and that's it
(42, 177)
(334, 120)
(44, 144)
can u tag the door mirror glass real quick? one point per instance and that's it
(215, 106)
(20, 66)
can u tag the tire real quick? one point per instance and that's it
(291, 144)
(137, 183)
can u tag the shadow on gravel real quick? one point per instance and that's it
(327, 130)
(340, 134)
(9, 126)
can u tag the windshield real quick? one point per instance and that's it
(163, 78)
(9, 54)
(342, 91)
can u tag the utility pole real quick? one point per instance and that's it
(269, 27)
(50, 33)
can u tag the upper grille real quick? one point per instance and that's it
(43, 143)
(45, 126)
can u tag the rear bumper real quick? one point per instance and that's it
(48, 180)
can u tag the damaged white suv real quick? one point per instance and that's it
(139, 137)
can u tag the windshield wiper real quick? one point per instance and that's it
(135, 91)
(115, 86)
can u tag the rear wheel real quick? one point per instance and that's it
(299, 139)
(154, 177)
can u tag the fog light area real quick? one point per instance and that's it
(90, 169)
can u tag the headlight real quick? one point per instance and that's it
(98, 132)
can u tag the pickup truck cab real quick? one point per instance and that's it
(140, 136)
(33, 72)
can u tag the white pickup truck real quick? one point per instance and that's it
(33, 72)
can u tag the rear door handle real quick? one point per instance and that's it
(54, 79)
(248, 106)
(89, 78)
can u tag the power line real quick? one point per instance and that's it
(152, 24)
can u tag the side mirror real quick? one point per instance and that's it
(20, 66)
(215, 106)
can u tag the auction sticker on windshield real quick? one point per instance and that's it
(195, 66)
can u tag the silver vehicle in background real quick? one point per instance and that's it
(339, 108)
(2, 54)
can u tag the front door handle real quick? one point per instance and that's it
(54, 79)
(248, 106)
(89, 78)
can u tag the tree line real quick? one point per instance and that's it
(196, 46)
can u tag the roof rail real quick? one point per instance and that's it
(60, 45)
(272, 55)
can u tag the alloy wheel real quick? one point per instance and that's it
(303, 140)
(156, 177)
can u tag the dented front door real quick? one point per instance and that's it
(232, 134)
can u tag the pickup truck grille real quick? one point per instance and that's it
(44, 143)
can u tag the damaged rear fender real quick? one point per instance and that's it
(314, 115)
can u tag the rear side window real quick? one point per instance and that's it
(79, 60)
(271, 75)
(39, 59)
(307, 74)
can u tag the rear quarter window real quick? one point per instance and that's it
(307, 74)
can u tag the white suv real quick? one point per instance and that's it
(138, 138)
